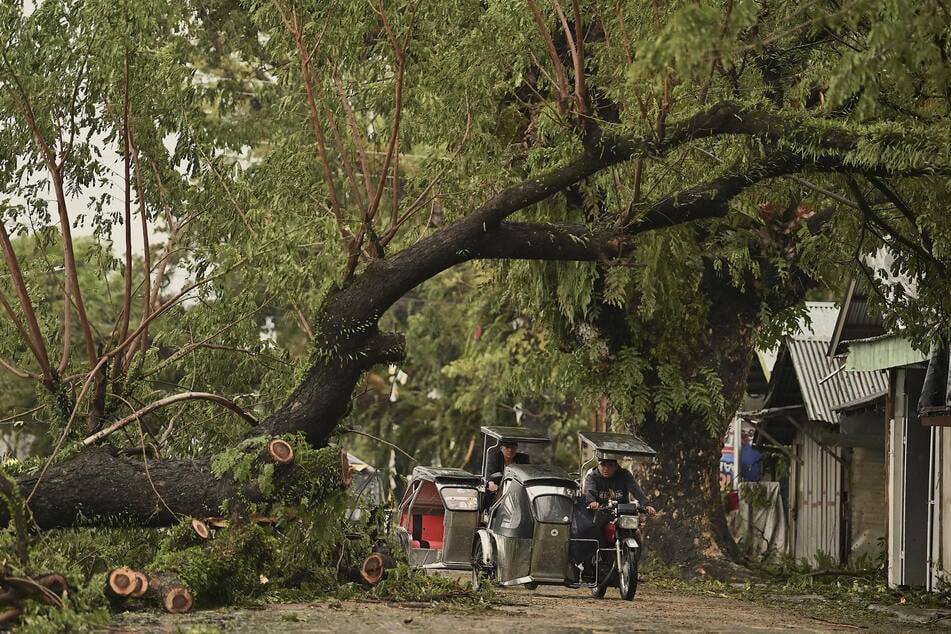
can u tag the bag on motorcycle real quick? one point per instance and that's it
(583, 527)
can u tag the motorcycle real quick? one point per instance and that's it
(617, 559)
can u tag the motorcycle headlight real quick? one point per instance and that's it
(629, 522)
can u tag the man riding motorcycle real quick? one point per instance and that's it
(606, 483)
(611, 481)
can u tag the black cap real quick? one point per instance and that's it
(509, 443)
(606, 461)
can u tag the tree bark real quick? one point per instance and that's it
(684, 480)
(96, 485)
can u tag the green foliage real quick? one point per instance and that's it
(239, 461)
(404, 583)
(16, 510)
(313, 475)
(84, 557)
(225, 570)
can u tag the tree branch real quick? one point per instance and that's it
(175, 398)
(31, 332)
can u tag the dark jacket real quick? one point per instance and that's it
(621, 486)
(496, 464)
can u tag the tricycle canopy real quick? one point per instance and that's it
(495, 435)
(445, 475)
(517, 434)
(617, 446)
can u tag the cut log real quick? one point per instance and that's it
(177, 600)
(170, 592)
(124, 581)
(280, 451)
(373, 568)
(200, 528)
(141, 585)
(121, 582)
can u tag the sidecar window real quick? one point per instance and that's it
(554, 509)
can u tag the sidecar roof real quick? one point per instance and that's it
(611, 445)
(446, 475)
(516, 434)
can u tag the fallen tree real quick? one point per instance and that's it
(602, 217)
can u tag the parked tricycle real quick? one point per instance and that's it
(438, 516)
(539, 530)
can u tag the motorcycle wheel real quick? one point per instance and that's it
(627, 575)
(481, 574)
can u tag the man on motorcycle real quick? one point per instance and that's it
(610, 481)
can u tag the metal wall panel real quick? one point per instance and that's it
(818, 498)
(869, 494)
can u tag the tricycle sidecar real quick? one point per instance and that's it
(526, 537)
(438, 516)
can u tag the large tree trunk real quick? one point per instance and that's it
(684, 479)
(97, 485)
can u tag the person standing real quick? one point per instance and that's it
(750, 468)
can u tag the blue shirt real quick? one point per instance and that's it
(750, 470)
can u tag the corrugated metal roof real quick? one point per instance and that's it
(854, 320)
(824, 386)
(887, 351)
